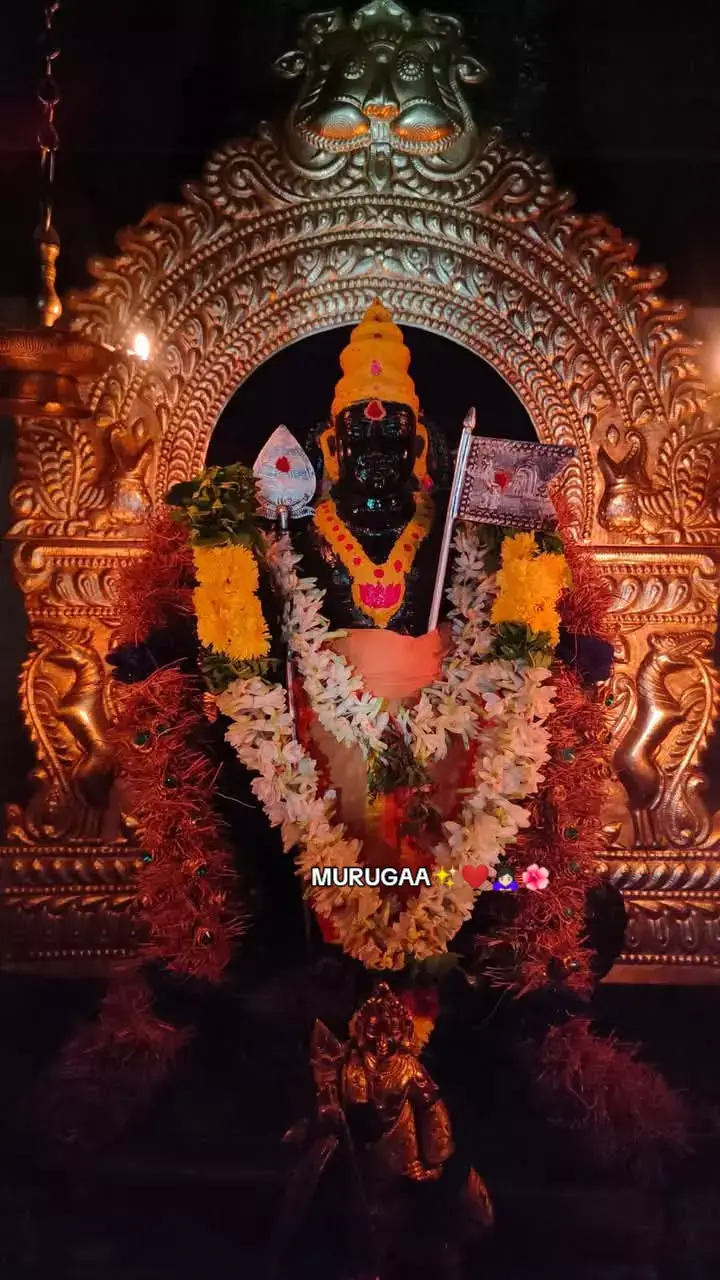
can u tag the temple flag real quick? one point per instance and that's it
(501, 482)
(506, 482)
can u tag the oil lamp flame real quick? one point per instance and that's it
(141, 346)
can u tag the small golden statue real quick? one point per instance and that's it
(379, 1108)
(380, 1070)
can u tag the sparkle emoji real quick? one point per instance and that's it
(445, 876)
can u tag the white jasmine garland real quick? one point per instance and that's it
(500, 706)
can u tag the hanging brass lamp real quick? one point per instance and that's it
(42, 370)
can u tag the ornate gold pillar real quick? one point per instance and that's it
(663, 701)
(67, 874)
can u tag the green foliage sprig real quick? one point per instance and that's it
(515, 642)
(219, 670)
(220, 507)
(493, 535)
(396, 766)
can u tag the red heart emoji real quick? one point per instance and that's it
(475, 876)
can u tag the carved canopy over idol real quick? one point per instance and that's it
(385, 84)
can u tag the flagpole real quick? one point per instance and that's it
(461, 462)
(283, 526)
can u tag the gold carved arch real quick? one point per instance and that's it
(263, 251)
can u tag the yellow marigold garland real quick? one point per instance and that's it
(229, 615)
(530, 584)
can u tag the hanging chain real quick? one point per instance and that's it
(48, 95)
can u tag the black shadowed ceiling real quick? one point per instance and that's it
(624, 95)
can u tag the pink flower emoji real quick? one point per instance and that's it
(535, 877)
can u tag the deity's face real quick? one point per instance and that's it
(375, 442)
(384, 1028)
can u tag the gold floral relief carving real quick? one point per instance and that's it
(72, 582)
(464, 234)
(672, 938)
(528, 307)
(59, 477)
(676, 499)
(79, 902)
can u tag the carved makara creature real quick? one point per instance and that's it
(69, 728)
(675, 700)
(382, 82)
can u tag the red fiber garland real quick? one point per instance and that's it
(598, 1086)
(108, 1069)
(155, 589)
(565, 833)
(565, 836)
(586, 608)
(167, 780)
(167, 783)
(595, 1083)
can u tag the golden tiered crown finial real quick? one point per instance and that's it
(375, 363)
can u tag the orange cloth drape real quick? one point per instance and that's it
(393, 666)
(396, 668)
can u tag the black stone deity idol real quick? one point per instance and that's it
(374, 542)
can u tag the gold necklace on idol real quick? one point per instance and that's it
(378, 590)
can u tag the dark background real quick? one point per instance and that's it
(295, 387)
(623, 94)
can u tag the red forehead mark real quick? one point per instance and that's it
(375, 411)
